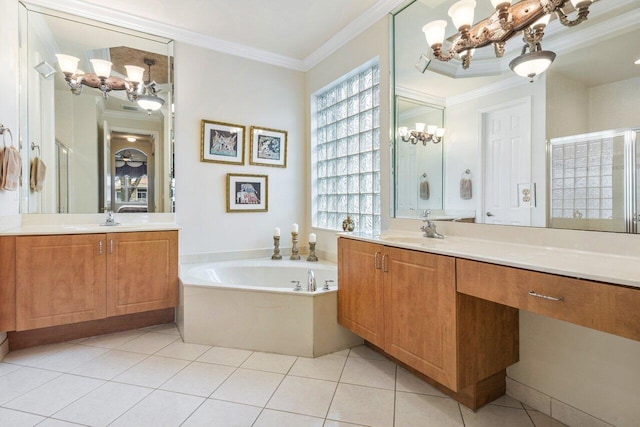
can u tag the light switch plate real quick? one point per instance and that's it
(527, 195)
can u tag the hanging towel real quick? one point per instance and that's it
(2, 150)
(38, 173)
(465, 187)
(11, 169)
(424, 188)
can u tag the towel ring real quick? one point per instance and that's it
(35, 147)
(4, 130)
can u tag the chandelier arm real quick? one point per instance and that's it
(583, 13)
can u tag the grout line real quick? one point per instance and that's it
(461, 414)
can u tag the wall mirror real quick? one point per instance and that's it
(84, 152)
(557, 152)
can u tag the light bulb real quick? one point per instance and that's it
(403, 131)
(434, 32)
(420, 127)
(440, 132)
(431, 129)
(461, 13)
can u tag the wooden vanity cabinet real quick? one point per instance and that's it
(142, 272)
(60, 279)
(63, 279)
(461, 342)
(7, 283)
(360, 292)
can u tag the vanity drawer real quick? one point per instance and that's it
(605, 307)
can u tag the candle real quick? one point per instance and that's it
(294, 228)
(276, 232)
(312, 238)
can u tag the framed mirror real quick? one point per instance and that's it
(94, 138)
(557, 152)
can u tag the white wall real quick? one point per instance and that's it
(615, 105)
(374, 42)
(224, 88)
(567, 109)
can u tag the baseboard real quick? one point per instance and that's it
(554, 408)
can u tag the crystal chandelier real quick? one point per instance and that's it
(527, 16)
(144, 93)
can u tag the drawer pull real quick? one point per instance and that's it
(384, 264)
(100, 247)
(375, 261)
(537, 295)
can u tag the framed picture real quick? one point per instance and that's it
(222, 143)
(268, 147)
(247, 193)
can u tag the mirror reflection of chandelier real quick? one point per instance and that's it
(527, 16)
(145, 93)
(433, 133)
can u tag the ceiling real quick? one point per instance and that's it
(292, 28)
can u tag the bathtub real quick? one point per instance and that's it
(251, 304)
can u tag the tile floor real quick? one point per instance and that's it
(149, 377)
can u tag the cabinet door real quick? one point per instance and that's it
(7, 283)
(142, 271)
(60, 279)
(420, 312)
(360, 289)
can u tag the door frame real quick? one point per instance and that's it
(482, 113)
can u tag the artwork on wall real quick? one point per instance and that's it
(247, 193)
(268, 147)
(222, 143)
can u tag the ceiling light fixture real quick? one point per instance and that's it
(527, 16)
(131, 139)
(145, 93)
(433, 134)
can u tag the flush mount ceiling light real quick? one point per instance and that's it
(433, 134)
(527, 16)
(145, 93)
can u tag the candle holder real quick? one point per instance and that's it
(294, 246)
(276, 248)
(312, 252)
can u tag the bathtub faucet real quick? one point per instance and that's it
(311, 281)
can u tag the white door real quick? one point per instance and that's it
(507, 163)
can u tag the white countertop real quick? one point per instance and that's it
(49, 229)
(601, 267)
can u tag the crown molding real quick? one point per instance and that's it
(372, 15)
(420, 96)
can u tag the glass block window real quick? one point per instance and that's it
(582, 178)
(346, 151)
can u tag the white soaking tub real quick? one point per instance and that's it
(251, 304)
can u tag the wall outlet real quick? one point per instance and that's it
(527, 195)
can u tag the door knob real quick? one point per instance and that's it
(489, 214)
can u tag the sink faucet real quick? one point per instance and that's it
(311, 281)
(110, 220)
(429, 227)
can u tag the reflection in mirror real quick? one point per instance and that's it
(558, 152)
(101, 146)
(418, 164)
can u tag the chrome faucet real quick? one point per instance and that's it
(429, 227)
(311, 281)
(110, 220)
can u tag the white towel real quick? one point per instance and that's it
(38, 173)
(11, 169)
(465, 188)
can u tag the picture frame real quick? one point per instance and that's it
(268, 147)
(222, 142)
(247, 193)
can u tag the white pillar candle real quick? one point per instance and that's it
(276, 232)
(294, 228)
(312, 238)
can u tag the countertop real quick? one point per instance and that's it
(52, 229)
(601, 267)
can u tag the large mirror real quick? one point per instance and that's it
(94, 139)
(556, 152)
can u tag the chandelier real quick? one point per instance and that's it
(433, 133)
(137, 90)
(527, 16)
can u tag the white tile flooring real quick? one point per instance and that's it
(149, 377)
